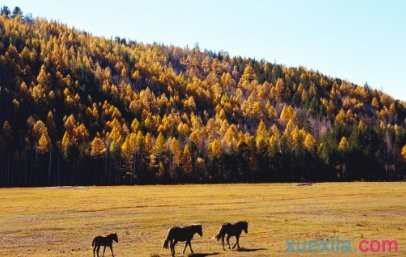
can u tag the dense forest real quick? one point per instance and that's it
(77, 109)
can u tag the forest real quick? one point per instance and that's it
(77, 109)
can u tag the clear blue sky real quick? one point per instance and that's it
(359, 40)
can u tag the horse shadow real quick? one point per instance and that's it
(243, 249)
(202, 254)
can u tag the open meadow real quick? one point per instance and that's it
(39, 222)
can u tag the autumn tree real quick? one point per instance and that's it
(403, 152)
(343, 145)
(261, 138)
(186, 162)
(97, 147)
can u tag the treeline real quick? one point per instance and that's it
(78, 109)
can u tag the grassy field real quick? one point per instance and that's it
(58, 222)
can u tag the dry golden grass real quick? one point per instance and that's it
(60, 222)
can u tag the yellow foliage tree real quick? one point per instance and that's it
(44, 143)
(70, 123)
(261, 136)
(97, 147)
(230, 138)
(403, 152)
(39, 128)
(129, 146)
(375, 103)
(187, 159)
(274, 144)
(309, 142)
(67, 141)
(287, 114)
(215, 148)
(81, 132)
(135, 124)
(248, 74)
(280, 88)
(176, 151)
(343, 145)
(341, 116)
(157, 150)
(297, 137)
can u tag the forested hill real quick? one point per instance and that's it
(80, 109)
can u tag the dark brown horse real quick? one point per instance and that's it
(229, 230)
(104, 241)
(182, 234)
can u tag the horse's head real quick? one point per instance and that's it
(115, 237)
(199, 230)
(245, 226)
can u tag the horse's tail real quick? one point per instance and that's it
(168, 238)
(94, 242)
(220, 233)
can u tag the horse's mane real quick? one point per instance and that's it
(198, 228)
(242, 223)
(192, 226)
(112, 236)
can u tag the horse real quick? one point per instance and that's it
(104, 241)
(232, 230)
(182, 234)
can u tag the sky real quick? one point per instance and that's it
(357, 40)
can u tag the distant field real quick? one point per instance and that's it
(58, 222)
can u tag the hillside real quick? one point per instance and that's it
(80, 109)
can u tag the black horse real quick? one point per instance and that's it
(230, 230)
(104, 241)
(182, 234)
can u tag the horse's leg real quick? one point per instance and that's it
(222, 242)
(237, 238)
(228, 241)
(238, 242)
(171, 247)
(174, 245)
(174, 242)
(184, 249)
(190, 246)
(98, 251)
(111, 249)
(104, 249)
(94, 251)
